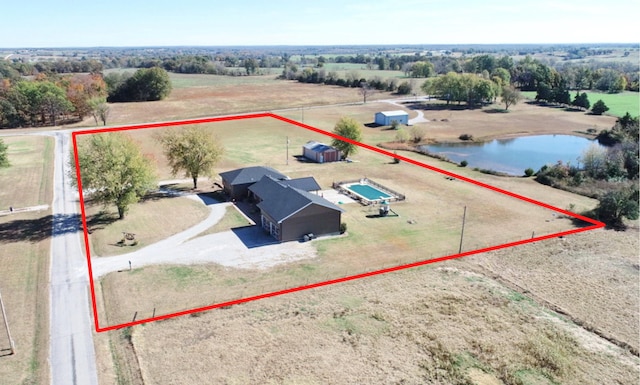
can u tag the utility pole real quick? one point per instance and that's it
(464, 217)
(287, 150)
(6, 325)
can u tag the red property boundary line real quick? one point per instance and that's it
(594, 224)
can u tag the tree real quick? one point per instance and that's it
(417, 133)
(510, 96)
(4, 157)
(365, 90)
(613, 206)
(99, 109)
(421, 69)
(348, 128)
(582, 101)
(114, 170)
(146, 84)
(193, 150)
(404, 88)
(599, 107)
(402, 135)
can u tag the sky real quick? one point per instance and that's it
(99, 23)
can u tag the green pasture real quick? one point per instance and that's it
(619, 104)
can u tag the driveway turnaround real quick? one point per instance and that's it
(244, 247)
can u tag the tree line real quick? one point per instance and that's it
(47, 100)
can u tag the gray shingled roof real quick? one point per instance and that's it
(317, 146)
(250, 175)
(265, 187)
(280, 201)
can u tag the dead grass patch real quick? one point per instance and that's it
(390, 328)
(584, 274)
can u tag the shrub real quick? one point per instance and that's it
(402, 135)
(616, 205)
(599, 108)
(343, 227)
(404, 88)
(465, 137)
(464, 163)
(529, 172)
(417, 133)
(394, 124)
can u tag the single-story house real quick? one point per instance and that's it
(236, 182)
(320, 152)
(386, 118)
(289, 213)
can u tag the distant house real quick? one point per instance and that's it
(320, 152)
(236, 182)
(386, 118)
(289, 213)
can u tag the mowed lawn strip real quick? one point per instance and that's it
(24, 257)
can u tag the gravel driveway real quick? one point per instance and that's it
(246, 247)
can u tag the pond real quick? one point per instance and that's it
(512, 156)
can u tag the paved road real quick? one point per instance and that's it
(72, 355)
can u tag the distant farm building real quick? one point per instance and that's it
(386, 118)
(320, 152)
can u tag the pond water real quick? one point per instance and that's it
(512, 156)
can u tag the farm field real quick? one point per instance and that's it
(445, 324)
(24, 258)
(619, 104)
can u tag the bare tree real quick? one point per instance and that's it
(365, 90)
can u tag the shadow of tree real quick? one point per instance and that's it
(36, 230)
(100, 221)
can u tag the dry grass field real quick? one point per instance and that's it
(537, 314)
(439, 324)
(24, 259)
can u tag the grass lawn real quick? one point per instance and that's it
(619, 104)
(428, 224)
(151, 220)
(24, 259)
(22, 185)
(232, 219)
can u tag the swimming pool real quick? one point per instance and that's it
(370, 193)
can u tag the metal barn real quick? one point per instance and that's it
(320, 152)
(386, 118)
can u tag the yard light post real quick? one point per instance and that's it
(6, 325)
